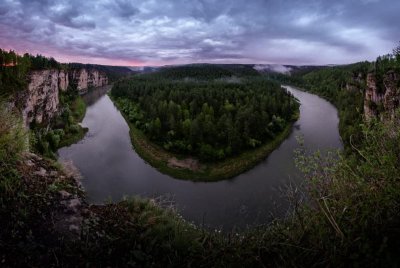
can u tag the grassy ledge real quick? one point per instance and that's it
(78, 109)
(158, 157)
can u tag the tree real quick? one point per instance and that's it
(396, 53)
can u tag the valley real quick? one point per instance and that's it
(112, 169)
(199, 165)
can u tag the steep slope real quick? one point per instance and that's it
(40, 101)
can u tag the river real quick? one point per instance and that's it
(111, 169)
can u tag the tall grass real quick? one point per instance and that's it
(13, 140)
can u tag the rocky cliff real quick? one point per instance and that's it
(84, 79)
(40, 101)
(382, 96)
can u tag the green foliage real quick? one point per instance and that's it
(352, 202)
(14, 68)
(63, 130)
(331, 83)
(212, 119)
(396, 53)
(13, 140)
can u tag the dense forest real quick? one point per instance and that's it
(14, 69)
(206, 71)
(203, 114)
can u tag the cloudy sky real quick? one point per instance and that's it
(158, 32)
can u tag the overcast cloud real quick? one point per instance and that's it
(122, 32)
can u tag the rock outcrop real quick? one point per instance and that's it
(355, 83)
(383, 100)
(67, 204)
(40, 101)
(84, 79)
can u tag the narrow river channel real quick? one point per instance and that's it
(112, 169)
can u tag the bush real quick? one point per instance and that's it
(12, 135)
(13, 141)
(74, 129)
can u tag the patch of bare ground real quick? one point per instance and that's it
(187, 163)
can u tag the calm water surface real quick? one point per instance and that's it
(112, 169)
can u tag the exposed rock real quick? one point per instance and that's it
(64, 194)
(72, 205)
(63, 81)
(377, 100)
(187, 163)
(40, 102)
(67, 205)
(84, 79)
(42, 172)
(392, 94)
(355, 84)
(72, 171)
(29, 163)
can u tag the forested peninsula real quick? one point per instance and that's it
(205, 122)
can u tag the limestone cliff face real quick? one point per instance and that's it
(40, 101)
(384, 99)
(63, 81)
(84, 79)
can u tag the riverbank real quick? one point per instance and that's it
(173, 164)
(78, 111)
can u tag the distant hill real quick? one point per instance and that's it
(205, 71)
(287, 69)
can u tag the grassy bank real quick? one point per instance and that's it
(158, 157)
(78, 111)
(78, 108)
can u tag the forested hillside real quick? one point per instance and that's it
(206, 71)
(14, 69)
